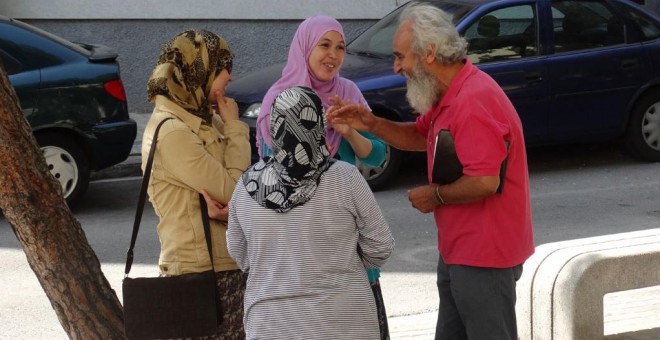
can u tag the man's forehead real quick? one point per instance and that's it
(405, 28)
(403, 36)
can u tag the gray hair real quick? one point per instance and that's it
(433, 28)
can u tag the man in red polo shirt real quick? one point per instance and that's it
(483, 217)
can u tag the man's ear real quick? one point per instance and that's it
(430, 55)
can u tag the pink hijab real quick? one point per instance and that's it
(297, 73)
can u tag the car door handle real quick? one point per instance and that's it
(533, 77)
(629, 64)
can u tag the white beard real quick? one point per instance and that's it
(422, 89)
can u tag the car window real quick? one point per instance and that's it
(12, 66)
(377, 40)
(52, 37)
(506, 33)
(580, 25)
(32, 50)
(647, 26)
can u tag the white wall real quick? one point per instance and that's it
(196, 9)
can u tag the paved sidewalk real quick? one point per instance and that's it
(413, 327)
(629, 315)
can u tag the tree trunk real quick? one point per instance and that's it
(52, 239)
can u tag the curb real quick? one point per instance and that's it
(128, 168)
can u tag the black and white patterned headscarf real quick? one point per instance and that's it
(290, 176)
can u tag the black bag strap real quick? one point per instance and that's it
(207, 228)
(142, 199)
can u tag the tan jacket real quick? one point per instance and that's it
(190, 157)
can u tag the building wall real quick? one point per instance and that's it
(258, 31)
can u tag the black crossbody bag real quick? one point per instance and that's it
(172, 306)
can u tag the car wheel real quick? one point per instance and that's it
(381, 176)
(643, 135)
(67, 163)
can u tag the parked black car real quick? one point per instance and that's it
(73, 97)
(576, 70)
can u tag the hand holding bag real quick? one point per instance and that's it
(174, 306)
(447, 167)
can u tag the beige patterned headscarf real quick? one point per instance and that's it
(186, 68)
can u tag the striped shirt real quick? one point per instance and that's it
(306, 279)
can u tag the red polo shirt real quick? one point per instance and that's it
(496, 231)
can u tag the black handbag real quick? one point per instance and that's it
(173, 306)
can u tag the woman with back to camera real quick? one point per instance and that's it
(304, 226)
(315, 57)
(196, 150)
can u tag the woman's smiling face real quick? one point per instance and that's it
(327, 56)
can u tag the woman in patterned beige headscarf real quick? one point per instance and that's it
(186, 69)
(204, 146)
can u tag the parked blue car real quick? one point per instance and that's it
(576, 70)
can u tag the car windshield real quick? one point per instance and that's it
(377, 40)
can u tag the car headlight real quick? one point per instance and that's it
(252, 111)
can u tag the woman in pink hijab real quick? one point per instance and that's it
(315, 57)
(316, 54)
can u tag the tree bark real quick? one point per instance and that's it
(53, 241)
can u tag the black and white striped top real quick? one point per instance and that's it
(306, 279)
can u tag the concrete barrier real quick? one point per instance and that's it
(560, 294)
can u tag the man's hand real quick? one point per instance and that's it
(356, 116)
(423, 198)
(217, 210)
(337, 102)
(343, 129)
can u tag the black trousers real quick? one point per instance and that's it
(476, 303)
